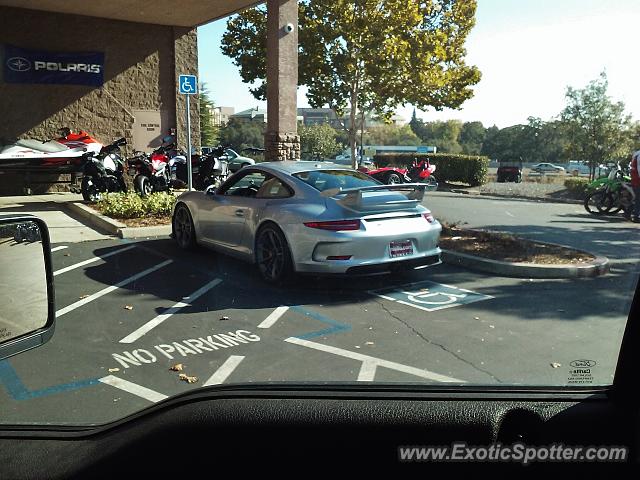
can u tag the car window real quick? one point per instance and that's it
(327, 179)
(246, 185)
(231, 154)
(274, 188)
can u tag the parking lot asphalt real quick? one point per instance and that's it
(127, 311)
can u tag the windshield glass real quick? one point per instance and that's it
(327, 179)
(515, 267)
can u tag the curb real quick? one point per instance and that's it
(519, 197)
(599, 266)
(115, 227)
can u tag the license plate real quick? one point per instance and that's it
(400, 248)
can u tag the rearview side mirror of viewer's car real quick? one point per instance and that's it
(27, 311)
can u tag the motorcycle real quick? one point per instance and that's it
(419, 172)
(207, 170)
(611, 194)
(103, 172)
(26, 232)
(150, 171)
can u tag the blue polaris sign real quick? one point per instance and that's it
(72, 68)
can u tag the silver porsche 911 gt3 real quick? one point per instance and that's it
(310, 217)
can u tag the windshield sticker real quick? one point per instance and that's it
(581, 372)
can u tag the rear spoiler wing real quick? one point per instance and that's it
(353, 196)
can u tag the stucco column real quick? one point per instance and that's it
(281, 139)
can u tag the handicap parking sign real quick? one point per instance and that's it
(187, 84)
(429, 296)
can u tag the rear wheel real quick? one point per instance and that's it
(90, 192)
(272, 255)
(142, 185)
(184, 231)
(392, 178)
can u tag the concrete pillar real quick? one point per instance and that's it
(281, 139)
(185, 44)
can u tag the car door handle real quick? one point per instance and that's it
(239, 213)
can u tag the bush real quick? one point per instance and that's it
(131, 205)
(576, 186)
(469, 169)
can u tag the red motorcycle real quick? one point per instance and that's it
(419, 172)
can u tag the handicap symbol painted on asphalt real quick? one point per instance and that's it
(430, 296)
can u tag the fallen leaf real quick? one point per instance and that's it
(357, 346)
(369, 343)
(224, 317)
(556, 365)
(476, 318)
(83, 296)
(178, 367)
(187, 378)
(112, 370)
(492, 326)
(128, 307)
(67, 254)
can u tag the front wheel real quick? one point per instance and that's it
(392, 179)
(142, 185)
(272, 255)
(90, 192)
(184, 231)
(598, 203)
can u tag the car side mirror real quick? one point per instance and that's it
(210, 190)
(27, 310)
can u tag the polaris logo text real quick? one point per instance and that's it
(67, 67)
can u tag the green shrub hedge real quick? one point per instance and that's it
(469, 169)
(131, 205)
(576, 186)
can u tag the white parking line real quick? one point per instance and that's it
(224, 371)
(56, 249)
(367, 371)
(133, 388)
(91, 260)
(273, 317)
(111, 288)
(151, 324)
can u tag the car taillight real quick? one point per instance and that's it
(335, 226)
(428, 217)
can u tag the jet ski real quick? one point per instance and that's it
(64, 154)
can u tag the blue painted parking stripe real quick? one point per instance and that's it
(335, 325)
(16, 389)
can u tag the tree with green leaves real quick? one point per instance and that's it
(370, 55)
(208, 131)
(471, 137)
(392, 135)
(241, 134)
(318, 142)
(599, 129)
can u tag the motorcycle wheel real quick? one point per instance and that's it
(392, 178)
(143, 185)
(90, 192)
(598, 203)
(431, 182)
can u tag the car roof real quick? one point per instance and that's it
(291, 167)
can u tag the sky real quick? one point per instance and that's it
(528, 51)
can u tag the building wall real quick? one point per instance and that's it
(141, 67)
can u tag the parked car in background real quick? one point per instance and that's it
(547, 168)
(509, 171)
(236, 161)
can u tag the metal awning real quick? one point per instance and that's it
(183, 13)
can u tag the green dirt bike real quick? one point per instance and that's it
(611, 194)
